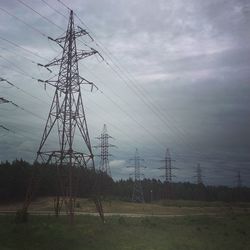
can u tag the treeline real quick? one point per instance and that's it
(15, 176)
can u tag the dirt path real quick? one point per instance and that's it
(133, 215)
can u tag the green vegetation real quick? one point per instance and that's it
(215, 218)
(199, 232)
(15, 176)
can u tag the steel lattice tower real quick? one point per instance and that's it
(199, 175)
(137, 195)
(66, 117)
(168, 167)
(104, 146)
(239, 181)
(168, 173)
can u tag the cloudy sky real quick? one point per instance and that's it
(176, 75)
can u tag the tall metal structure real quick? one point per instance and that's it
(104, 146)
(66, 118)
(167, 167)
(239, 181)
(199, 174)
(137, 195)
(168, 176)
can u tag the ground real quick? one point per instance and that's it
(172, 225)
(120, 233)
(116, 207)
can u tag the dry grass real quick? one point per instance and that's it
(121, 207)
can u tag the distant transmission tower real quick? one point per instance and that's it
(66, 117)
(104, 146)
(239, 181)
(199, 175)
(168, 173)
(137, 195)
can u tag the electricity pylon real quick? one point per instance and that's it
(66, 117)
(168, 176)
(104, 146)
(239, 181)
(167, 167)
(137, 195)
(199, 174)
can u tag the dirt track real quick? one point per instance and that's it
(134, 215)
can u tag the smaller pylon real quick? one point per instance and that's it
(239, 181)
(168, 176)
(167, 167)
(137, 195)
(104, 146)
(199, 174)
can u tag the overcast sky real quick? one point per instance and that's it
(189, 61)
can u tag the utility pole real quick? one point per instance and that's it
(66, 118)
(137, 195)
(104, 146)
(168, 176)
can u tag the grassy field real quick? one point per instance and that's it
(178, 207)
(120, 233)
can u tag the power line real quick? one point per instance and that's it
(54, 9)
(19, 46)
(11, 51)
(156, 110)
(131, 117)
(44, 17)
(4, 100)
(134, 88)
(20, 20)
(115, 102)
(121, 109)
(20, 89)
(28, 76)
(118, 129)
(180, 133)
(147, 101)
(61, 2)
(21, 71)
(3, 127)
